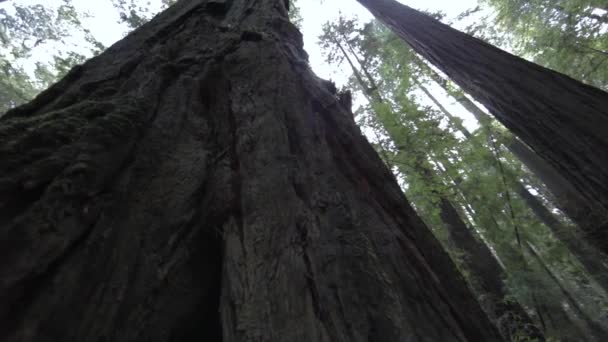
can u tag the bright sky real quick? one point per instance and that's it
(315, 14)
(103, 24)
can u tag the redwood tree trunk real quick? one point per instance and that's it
(563, 120)
(197, 182)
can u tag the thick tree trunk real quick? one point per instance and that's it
(197, 182)
(563, 120)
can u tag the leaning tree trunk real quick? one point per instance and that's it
(578, 208)
(485, 274)
(592, 260)
(563, 120)
(197, 182)
(593, 327)
(486, 278)
(551, 314)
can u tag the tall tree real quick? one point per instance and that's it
(563, 120)
(565, 35)
(567, 198)
(197, 181)
(404, 123)
(580, 209)
(416, 133)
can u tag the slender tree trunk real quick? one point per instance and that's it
(368, 91)
(197, 182)
(593, 263)
(594, 328)
(587, 215)
(451, 118)
(555, 321)
(485, 273)
(486, 278)
(592, 260)
(563, 120)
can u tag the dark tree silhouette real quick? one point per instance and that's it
(561, 119)
(196, 181)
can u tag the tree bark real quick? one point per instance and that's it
(197, 182)
(562, 120)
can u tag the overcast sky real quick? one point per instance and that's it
(103, 24)
(315, 14)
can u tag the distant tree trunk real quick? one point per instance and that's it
(196, 181)
(587, 215)
(555, 321)
(592, 327)
(484, 272)
(451, 118)
(563, 120)
(592, 260)
(486, 278)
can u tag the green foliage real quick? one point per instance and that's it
(565, 35)
(135, 13)
(294, 14)
(424, 146)
(25, 30)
